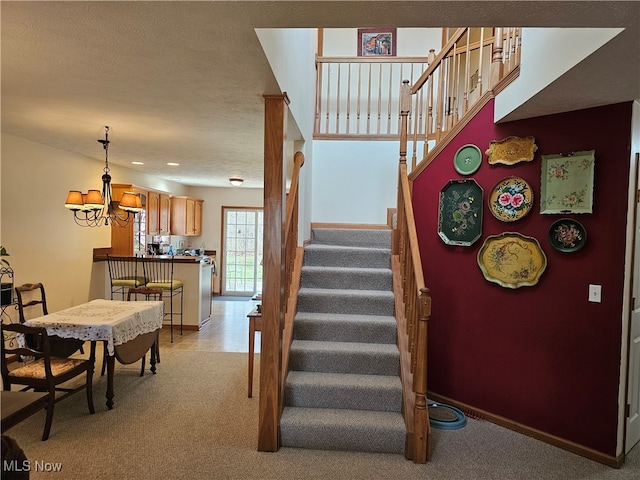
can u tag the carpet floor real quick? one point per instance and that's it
(193, 421)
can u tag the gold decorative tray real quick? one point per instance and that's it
(512, 260)
(511, 150)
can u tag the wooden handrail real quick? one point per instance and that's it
(413, 308)
(293, 259)
(455, 82)
(442, 96)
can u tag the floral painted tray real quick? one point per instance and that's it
(512, 260)
(460, 212)
(567, 235)
(510, 199)
(566, 183)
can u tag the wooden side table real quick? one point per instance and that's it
(255, 325)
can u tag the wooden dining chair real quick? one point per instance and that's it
(133, 294)
(42, 372)
(32, 303)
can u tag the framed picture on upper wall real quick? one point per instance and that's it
(376, 42)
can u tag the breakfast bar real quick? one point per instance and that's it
(193, 271)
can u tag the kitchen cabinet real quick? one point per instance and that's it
(186, 216)
(158, 213)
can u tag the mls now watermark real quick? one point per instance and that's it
(30, 466)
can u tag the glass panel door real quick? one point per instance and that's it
(242, 247)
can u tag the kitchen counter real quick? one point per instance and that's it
(194, 272)
(97, 257)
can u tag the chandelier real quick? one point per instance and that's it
(95, 208)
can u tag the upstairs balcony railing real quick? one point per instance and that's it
(358, 98)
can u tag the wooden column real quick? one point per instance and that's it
(274, 280)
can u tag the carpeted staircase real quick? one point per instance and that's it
(343, 388)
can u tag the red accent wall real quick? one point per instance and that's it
(542, 356)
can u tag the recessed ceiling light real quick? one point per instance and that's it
(138, 163)
(172, 164)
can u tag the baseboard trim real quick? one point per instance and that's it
(361, 226)
(591, 454)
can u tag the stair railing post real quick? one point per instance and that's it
(274, 273)
(422, 430)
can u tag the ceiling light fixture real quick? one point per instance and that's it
(236, 181)
(94, 209)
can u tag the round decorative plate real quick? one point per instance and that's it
(467, 159)
(512, 260)
(511, 199)
(567, 235)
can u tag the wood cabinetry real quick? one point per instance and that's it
(186, 216)
(158, 213)
(121, 237)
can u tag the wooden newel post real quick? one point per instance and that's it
(274, 272)
(422, 430)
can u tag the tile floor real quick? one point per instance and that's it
(227, 331)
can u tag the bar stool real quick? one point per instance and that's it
(159, 274)
(123, 274)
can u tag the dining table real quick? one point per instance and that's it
(128, 329)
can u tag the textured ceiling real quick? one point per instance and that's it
(183, 81)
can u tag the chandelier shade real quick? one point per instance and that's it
(95, 208)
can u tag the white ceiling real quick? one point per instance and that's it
(183, 81)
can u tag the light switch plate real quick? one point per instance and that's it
(595, 293)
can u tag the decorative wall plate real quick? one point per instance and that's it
(460, 212)
(467, 159)
(567, 235)
(510, 199)
(511, 150)
(512, 260)
(566, 182)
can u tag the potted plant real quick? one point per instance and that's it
(3, 253)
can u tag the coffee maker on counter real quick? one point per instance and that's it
(159, 244)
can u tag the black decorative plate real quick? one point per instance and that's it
(567, 235)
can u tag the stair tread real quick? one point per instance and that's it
(379, 270)
(376, 419)
(344, 317)
(345, 248)
(343, 379)
(346, 293)
(355, 347)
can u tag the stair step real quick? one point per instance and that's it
(344, 357)
(341, 429)
(364, 302)
(334, 327)
(348, 391)
(346, 277)
(346, 256)
(352, 236)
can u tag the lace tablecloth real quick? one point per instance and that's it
(112, 321)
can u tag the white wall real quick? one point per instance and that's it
(214, 199)
(411, 42)
(354, 182)
(554, 52)
(291, 55)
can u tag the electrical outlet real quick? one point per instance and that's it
(595, 293)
